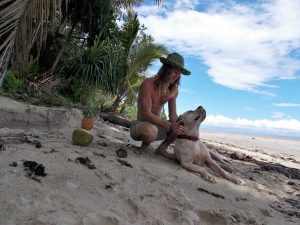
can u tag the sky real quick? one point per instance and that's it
(244, 57)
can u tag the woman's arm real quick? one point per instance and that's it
(172, 108)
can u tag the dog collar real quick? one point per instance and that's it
(191, 138)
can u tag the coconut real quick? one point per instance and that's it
(82, 137)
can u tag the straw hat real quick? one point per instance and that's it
(175, 60)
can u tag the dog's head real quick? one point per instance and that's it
(192, 119)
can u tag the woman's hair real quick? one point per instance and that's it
(163, 76)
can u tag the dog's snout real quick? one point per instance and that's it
(201, 108)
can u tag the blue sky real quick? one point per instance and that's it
(244, 57)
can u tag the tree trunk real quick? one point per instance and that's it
(62, 49)
(122, 110)
(116, 104)
(115, 119)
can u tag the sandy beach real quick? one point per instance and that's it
(141, 189)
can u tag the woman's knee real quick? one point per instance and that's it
(149, 132)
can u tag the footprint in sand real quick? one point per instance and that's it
(133, 210)
(95, 219)
(171, 214)
(211, 218)
(176, 209)
(266, 212)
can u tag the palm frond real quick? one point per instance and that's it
(130, 30)
(96, 67)
(10, 16)
(126, 3)
(143, 57)
(23, 23)
(130, 3)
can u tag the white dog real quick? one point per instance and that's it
(193, 153)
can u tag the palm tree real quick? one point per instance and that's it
(116, 65)
(91, 68)
(18, 32)
(23, 24)
(138, 55)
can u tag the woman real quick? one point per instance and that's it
(153, 94)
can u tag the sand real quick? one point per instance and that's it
(141, 189)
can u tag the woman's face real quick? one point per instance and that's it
(175, 74)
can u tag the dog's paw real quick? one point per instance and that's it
(241, 182)
(210, 179)
(238, 181)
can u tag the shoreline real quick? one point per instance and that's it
(252, 133)
(271, 145)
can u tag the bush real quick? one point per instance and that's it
(130, 112)
(11, 84)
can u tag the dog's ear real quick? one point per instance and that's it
(180, 121)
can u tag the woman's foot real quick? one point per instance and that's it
(144, 147)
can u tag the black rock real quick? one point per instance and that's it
(40, 170)
(86, 161)
(37, 144)
(124, 163)
(33, 167)
(108, 186)
(122, 153)
(30, 164)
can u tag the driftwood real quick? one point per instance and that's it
(211, 193)
(115, 119)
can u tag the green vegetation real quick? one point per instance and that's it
(163, 114)
(11, 84)
(79, 53)
(130, 112)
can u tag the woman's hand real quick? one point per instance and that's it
(176, 128)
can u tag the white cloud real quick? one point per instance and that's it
(186, 4)
(278, 115)
(284, 104)
(244, 46)
(283, 126)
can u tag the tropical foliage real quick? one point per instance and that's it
(138, 54)
(79, 43)
(23, 25)
(11, 84)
